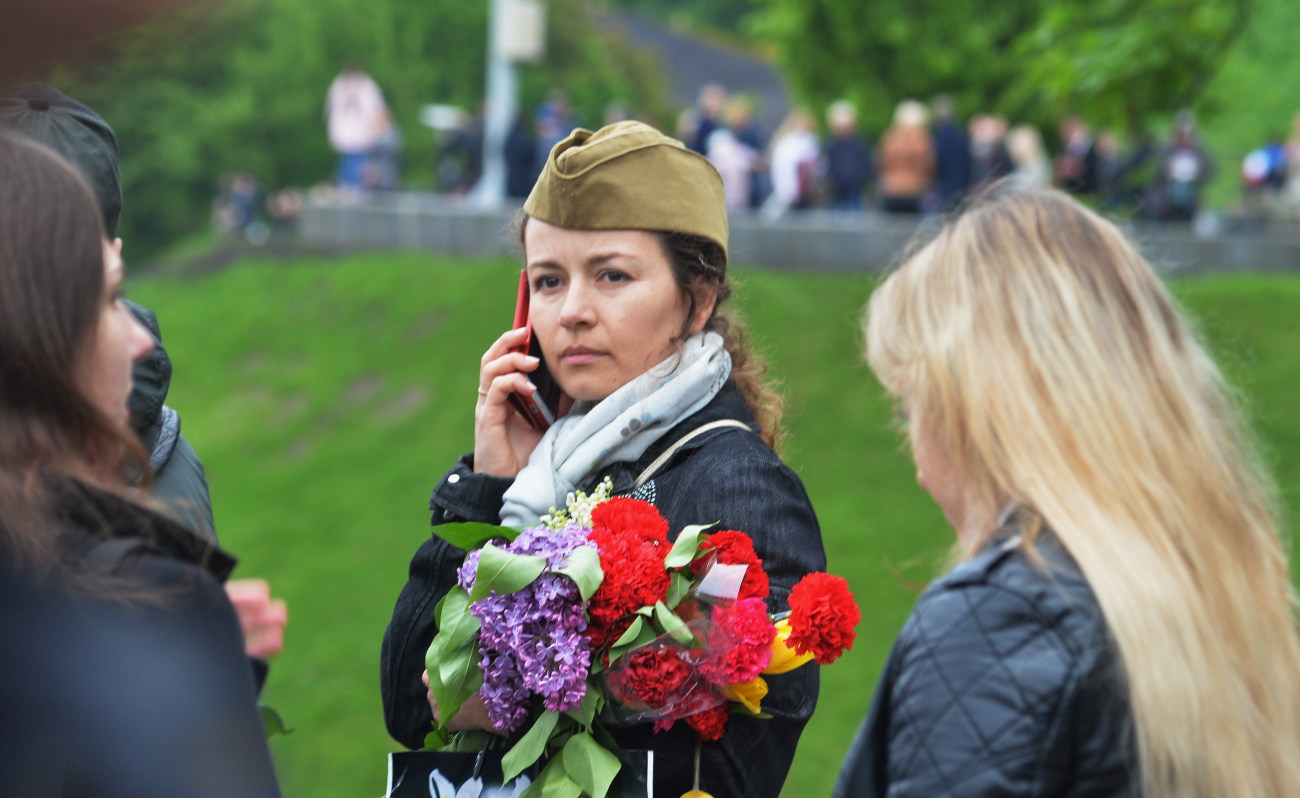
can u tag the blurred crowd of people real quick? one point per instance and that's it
(927, 160)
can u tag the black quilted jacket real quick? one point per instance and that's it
(727, 475)
(1002, 683)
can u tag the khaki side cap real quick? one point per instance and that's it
(629, 176)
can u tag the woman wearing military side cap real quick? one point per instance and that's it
(625, 249)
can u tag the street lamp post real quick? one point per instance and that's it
(515, 34)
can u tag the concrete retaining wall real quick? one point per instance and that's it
(820, 241)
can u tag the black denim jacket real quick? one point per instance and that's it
(726, 475)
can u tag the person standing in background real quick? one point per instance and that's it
(848, 159)
(793, 163)
(1076, 165)
(356, 116)
(952, 157)
(1032, 168)
(905, 160)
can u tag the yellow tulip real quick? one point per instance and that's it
(783, 657)
(749, 693)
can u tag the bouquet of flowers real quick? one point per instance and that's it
(593, 612)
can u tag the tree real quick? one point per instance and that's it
(1119, 62)
(878, 52)
(1116, 61)
(241, 85)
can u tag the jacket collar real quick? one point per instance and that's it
(103, 516)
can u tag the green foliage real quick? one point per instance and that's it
(1120, 61)
(471, 535)
(583, 567)
(272, 722)
(1114, 60)
(530, 747)
(241, 86)
(879, 52)
(326, 397)
(452, 658)
(724, 14)
(1252, 97)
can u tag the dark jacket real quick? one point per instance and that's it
(179, 479)
(727, 475)
(848, 165)
(952, 163)
(119, 697)
(1002, 683)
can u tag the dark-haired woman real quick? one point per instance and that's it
(122, 667)
(625, 248)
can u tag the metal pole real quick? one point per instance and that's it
(498, 111)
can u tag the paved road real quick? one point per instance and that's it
(690, 63)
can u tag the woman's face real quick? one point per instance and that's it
(119, 341)
(605, 305)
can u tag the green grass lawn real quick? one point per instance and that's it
(327, 396)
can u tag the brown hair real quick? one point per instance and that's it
(696, 261)
(51, 298)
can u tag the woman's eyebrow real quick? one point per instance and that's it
(605, 257)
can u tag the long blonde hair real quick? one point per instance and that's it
(1057, 372)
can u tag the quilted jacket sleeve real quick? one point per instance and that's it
(983, 692)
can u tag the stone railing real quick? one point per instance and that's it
(820, 241)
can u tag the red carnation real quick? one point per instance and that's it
(631, 515)
(651, 676)
(634, 577)
(739, 644)
(822, 617)
(711, 723)
(736, 548)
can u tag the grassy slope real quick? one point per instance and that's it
(326, 397)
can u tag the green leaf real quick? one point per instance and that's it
(273, 723)
(678, 587)
(603, 737)
(672, 625)
(472, 535)
(505, 572)
(632, 632)
(437, 739)
(583, 567)
(456, 626)
(453, 676)
(686, 546)
(646, 634)
(553, 782)
(530, 747)
(592, 766)
(585, 714)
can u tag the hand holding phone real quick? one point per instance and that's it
(537, 408)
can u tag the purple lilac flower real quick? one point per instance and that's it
(534, 636)
(502, 692)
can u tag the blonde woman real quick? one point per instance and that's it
(1122, 622)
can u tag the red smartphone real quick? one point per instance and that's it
(537, 408)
